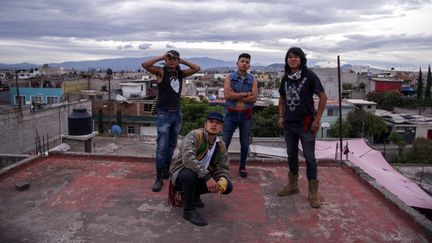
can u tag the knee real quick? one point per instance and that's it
(229, 188)
(187, 175)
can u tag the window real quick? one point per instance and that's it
(19, 99)
(52, 100)
(142, 87)
(131, 130)
(369, 106)
(147, 107)
(37, 99)
(332, 112)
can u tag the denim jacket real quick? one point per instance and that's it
(238, 85)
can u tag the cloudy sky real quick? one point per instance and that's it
(373, 32)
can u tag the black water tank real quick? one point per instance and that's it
(80, 122)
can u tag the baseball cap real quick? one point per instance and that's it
(215, 116)
(174, 53)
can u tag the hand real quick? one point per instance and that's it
(281, 122)
(222, 184)
(212, 186)
(315, 126)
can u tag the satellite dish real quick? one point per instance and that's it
(325, 125)
(116, 130)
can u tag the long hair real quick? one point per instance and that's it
(298, 52)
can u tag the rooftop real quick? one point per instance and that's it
(95, 198)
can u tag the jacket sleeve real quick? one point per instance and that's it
(188, 152)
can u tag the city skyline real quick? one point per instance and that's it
(380, 34)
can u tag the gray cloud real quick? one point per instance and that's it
(271, 25)
(144, 46)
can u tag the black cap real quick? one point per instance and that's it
(215, 115)
(174, 53)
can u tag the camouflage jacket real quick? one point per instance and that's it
(192, 149)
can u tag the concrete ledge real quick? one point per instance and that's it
(18, 164)
(419, 218)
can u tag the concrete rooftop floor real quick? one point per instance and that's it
(80, 198)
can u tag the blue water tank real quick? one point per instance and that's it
(80, 122)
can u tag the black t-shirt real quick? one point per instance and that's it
(169, 89)
(299, 95)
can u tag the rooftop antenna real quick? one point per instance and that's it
(340, 109)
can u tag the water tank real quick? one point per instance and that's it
(80, 122)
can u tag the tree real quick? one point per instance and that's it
(264, 123)
(100, 121)
(360, 124)
(194, 113)
(420, 152)
(420, 86)
(347, 86)
(386, 100)
(428, 84)
(346, 128)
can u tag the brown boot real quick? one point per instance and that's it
(291, 187)
(313, 193)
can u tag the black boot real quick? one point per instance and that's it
(194, 217)
(157, 186)
(165, 172)
(198, 202)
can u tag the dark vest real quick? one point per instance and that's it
(169, 89)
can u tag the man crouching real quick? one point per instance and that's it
(201, 166)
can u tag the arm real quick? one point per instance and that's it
(193, 68)
(321, 106)
(150, 67)
(281, 109)
(252, 96)
(229, 92)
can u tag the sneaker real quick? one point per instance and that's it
(194, 217)
(243, 173)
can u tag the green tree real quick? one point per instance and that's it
(420, 152)
(347, 86)
(428, 84)
(360, 124)
(385, 100)
(100, 121)
(194, 113)
(420, 86)
(346, 128)
(265, 124)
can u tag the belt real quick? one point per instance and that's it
(250, 110)
(169, 109)
(246, 112)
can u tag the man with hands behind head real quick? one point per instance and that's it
(169, 115)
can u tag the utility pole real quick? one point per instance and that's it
(17, 90)
(340, 107)
(109, 73)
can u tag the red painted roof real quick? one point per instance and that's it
(108, 199)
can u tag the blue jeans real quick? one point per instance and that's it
(293, 132)
(169, 124)
(233, 120)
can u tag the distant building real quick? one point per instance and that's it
(365, 105)
(331, 115)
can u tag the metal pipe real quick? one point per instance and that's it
(340, 107)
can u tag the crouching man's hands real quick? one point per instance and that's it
(212, 185)
(222, 184)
